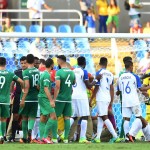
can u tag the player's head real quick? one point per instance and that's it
(49, 63)
(23, 62)
(129, 65)
(2, 62)
(42, 63)
(61, 60)
(81, 61)
(127, 58)
(103, 62)
(36, 62)
(30, 59)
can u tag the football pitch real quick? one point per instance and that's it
(101, 146)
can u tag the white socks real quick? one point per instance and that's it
(110, 128)
(126, 127)
(35, 131)
(146, 132)
(83, 129)
(100, 124)
(71, 122)
(136, 126)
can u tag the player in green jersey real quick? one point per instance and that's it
(47, 105)
(6, 79)
(65, 78)
(29, 101)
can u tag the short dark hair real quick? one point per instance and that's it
(127, 58)
(128, 64)
(2, 61)
(103, 61)
(23, 58)
(81, 61)
(30, 59)
(49, 62)
(62, 57)
(42, 61)
(36, 58)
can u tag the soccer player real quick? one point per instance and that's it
(65, 78)
(128, 84)
(17, 93)
(6, 79)
(104, 92)
(80, 102)
(29, 101)
(36, 62)
(47, 105)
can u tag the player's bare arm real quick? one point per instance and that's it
(48, 94)
(57, 88)
(21, 82)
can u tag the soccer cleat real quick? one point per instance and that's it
(115, 140)
(34, 141)
(130, 137)
(47, 141)
(96, 140)
(29, 135)
(55, 141)
(11, 139)
(1, 140)
(23, 140)
(83, 140)
(65, 141)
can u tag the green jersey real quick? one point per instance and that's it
(6, 78)
(67, 78)
(44, 82)
(33, 75)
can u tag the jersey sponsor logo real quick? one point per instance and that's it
(34, 71)
(125, 77)
(4, 72)
(106, 74)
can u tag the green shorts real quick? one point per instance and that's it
(4, 111)
(114, 19)
(29, 110)
(63, 108)
(45, 107)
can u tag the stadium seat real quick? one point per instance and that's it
(24, 47)
(35, 28)
(64, 29)
(83, 46)
(68, 46)
(9, 46)
(50, 29)
(79, 29)
(20, 28)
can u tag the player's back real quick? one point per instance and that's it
(6, 78)
(66, 77)
(103, 93)
(81, 75)
(32, 74)
(128, 84)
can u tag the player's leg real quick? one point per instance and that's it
(74, 112)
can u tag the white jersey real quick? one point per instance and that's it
(103, 93)
(79, 89)
(128, 84)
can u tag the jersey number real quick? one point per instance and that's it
(35, 79)
(126, 88)
(2, 82)
(68, 82)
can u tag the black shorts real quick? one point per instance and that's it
(16, 104)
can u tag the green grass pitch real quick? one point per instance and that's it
(101, 146)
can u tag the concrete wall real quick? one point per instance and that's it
(74, 4)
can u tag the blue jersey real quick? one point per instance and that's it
(91, 22)
(128, 84)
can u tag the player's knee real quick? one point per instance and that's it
(104, 117)
(53, 116)
(126, 119)
(3, 119)
(84, 118)
(66, 118)
(15, 117)
(74, 118)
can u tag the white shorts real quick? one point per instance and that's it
(80, 108)
(128, 111)
(91, 30)
(102, 108)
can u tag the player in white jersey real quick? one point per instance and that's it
(80, 102)
(128, 84)
(104, 92)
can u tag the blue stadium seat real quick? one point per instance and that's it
(20, 28)
(79, 29)
(9, 46)
(68, 46)
(64, 29)
(24, 47)
(50, 29)
(35, 28)
(83, 46)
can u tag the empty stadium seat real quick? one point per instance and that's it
(9, 46)
(79, 29)
(68, 46)
(83, 46)
(24, 47)
(35, 28)
(64, 29)
(20, 28)
(50, 29)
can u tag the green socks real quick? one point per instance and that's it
(42, 129)
(54, 129)
(67, 128)
(25, 128)
(2, 128)
(31, 124)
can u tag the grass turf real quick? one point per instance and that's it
(101, 146)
